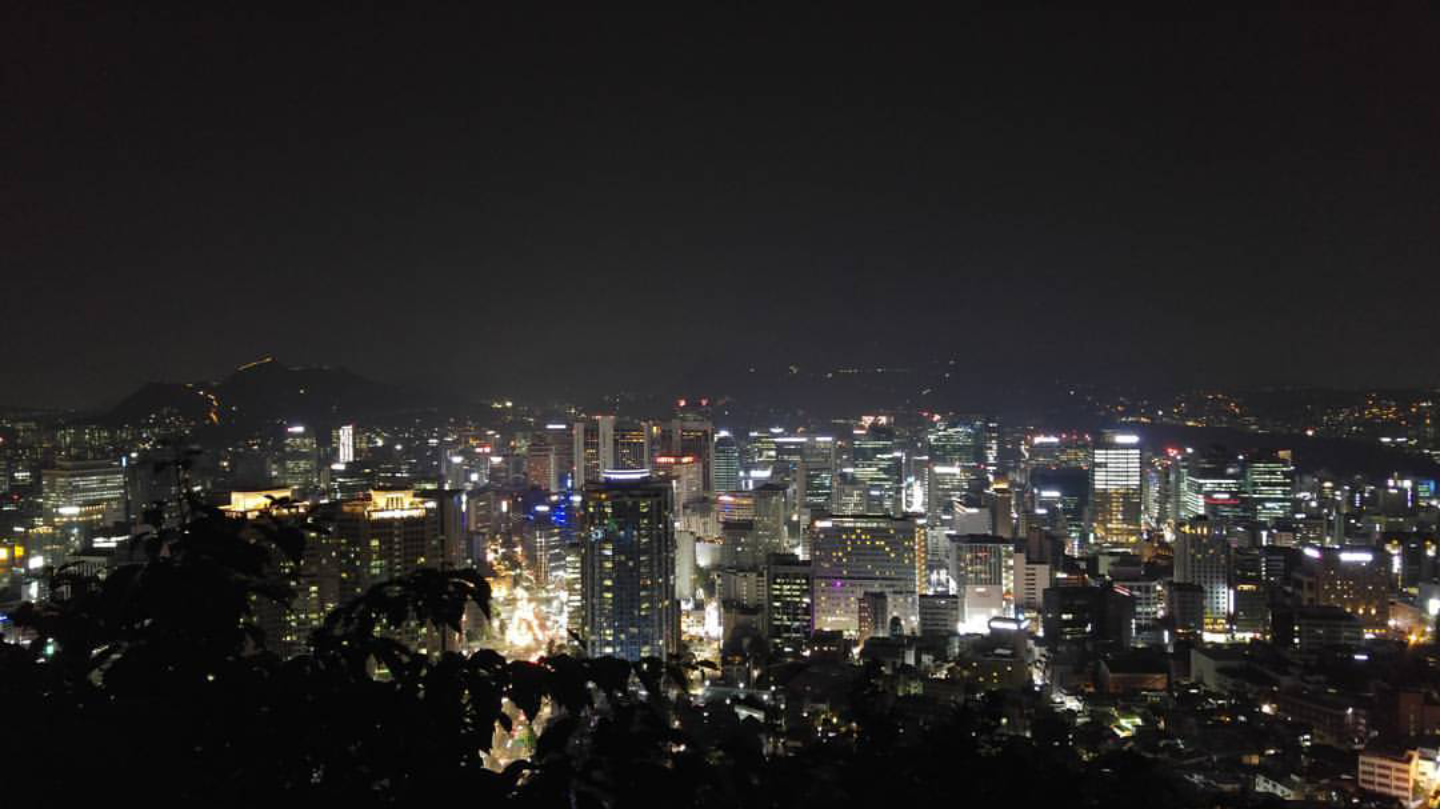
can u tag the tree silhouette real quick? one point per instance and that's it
(157, 681)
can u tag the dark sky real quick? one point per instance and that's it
(537, 197)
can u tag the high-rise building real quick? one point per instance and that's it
(855, 554)
(1252, 597)
(686, 475)
(1033, 576)
(83, 493)
(788, 597)
(1355, 578)
(1213, 485)
(1162, 478)
(550, 458)
(635, 444)
(819, 459)
(386, 534)
(695, 438)
(594, 450)
(1056, 451)
(628, 586)
(939, 614)
(343, 441)
(297, 463)
(982, 571)
(548, 532)
(287, 627)
(875, 461)
(873, 615)
(1203, 557)
(726, 470)
(1115, 490)
(955, 452)
(1270, 486)
(752, 525)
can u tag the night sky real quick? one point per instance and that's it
(539, 199)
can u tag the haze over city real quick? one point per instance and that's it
(740, 406)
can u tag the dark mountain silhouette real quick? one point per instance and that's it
(268, 392)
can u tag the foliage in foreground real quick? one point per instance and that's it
(154, 683)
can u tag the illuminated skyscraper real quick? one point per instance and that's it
(1213, 485)
(389, 533)
(982, 570)
(726, 470)
(594, 450)
(628, 567)
(83, 493)
(856, 554)
(635, 444)
(1056, 451)
(1355, 578)
(695, 438)
(343, 440)
(876, 463)
(1270, 486)
(1203, 557)
(550, 458)
(819, 457)
(297, 464)
(1115, 490)
(685, 474)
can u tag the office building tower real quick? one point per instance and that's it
(83, 494)
(1270, 487)
(939, 614)
(946, 486)
(1213, 485)
(873, 616)
(296, 464)
(1033, 577)
(694, 438)
(955, 452)
(752, 525)
(876, 464)
(686, 475)
(1162, 477)
(548, 530)
(1057, 502)
(855, 554)
(1252, 597)
(819, 458)
(629, 567)
(287, 626)
(787, 603)
(1355, 578)
(635, 444)
(982, 571)
(386, 534)
(1203, 557)
(1081, 614)
(1185, 609)
(1056, 451)
(726, 470)
(594, 450)
(854, 496)
(958, 441)
(550, 458)
(1148, 596)
(1115, 490)
(342, 440)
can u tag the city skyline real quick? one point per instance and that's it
(749, 405)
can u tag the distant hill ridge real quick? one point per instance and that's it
(265, 392)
